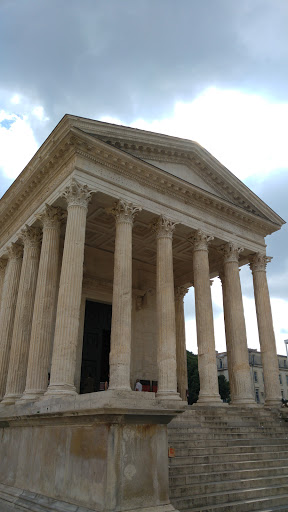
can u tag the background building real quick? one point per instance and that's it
(256, 370)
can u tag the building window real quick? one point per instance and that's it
(282, 393)
(280, 378)
(257, 396)
(284, 363)
(263, 376)
(255, 377)
(220, 363)
(287, 380)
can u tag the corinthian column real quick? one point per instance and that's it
(227, 334)
(16, 378)
(3, 264)
(166, 327)
(234, 316)
(70, 290)
(181, 356)
(45, 305)
(207, 365)
(266, 331)
(120, 352)
(8, 305)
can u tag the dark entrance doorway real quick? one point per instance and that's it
(96, 346)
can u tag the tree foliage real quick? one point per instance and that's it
(194, 382)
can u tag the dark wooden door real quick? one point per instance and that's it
(96, 346)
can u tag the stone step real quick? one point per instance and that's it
(231, 430)
(220, 466)
(188, 432)
(213, 450)
(234, 457)
(190, 503)
(190, 479)
(270, 504)
(227, 486)
(189, 443)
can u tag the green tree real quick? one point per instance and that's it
(194, 382)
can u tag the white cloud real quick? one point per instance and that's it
(17, 143)
(247, 133)
(15, 99)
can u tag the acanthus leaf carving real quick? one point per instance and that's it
(200, 240)
(163, 227)
(124, 211)
(259, 262)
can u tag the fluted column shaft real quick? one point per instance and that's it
(166, 325)
(70, 290)
(7, 313)
(45, 306)
(120, 351)
(3, 264)
(228, 335)
(207, 367)
(23, 315)
(266, 331)
(181, 356)
(237, 341)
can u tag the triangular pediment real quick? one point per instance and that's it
(184, 159)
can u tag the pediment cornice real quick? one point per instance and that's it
(56, 159)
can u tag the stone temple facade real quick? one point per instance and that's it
(100, 237)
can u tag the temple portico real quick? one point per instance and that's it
(108, 235)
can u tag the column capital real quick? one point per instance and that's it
(180, 292)
(163, 227)
(30, 236)
(124, 211)
(259, 262)
(200, 240)
(51, 216)
(230, 252)
(15, 251)
(77, 194)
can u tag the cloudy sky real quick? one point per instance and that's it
(214, 71)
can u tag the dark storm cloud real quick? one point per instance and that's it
(131, 59)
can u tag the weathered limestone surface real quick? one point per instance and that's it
(16, 378)
(70, 288)
(105, 451)
(3, 264)
(181, 356)
(45, 305)
(204, 322)
(120, 352)
(166, 355)
(266, 331)
(7, 313)
(228, 334)
(236, 329)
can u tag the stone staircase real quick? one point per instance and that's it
(229, 459)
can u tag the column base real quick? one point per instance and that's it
(60, 390)
(244, 402)
(273, 402)
(168, 395)
(10, 399)
(210, 401)
(31, 396)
